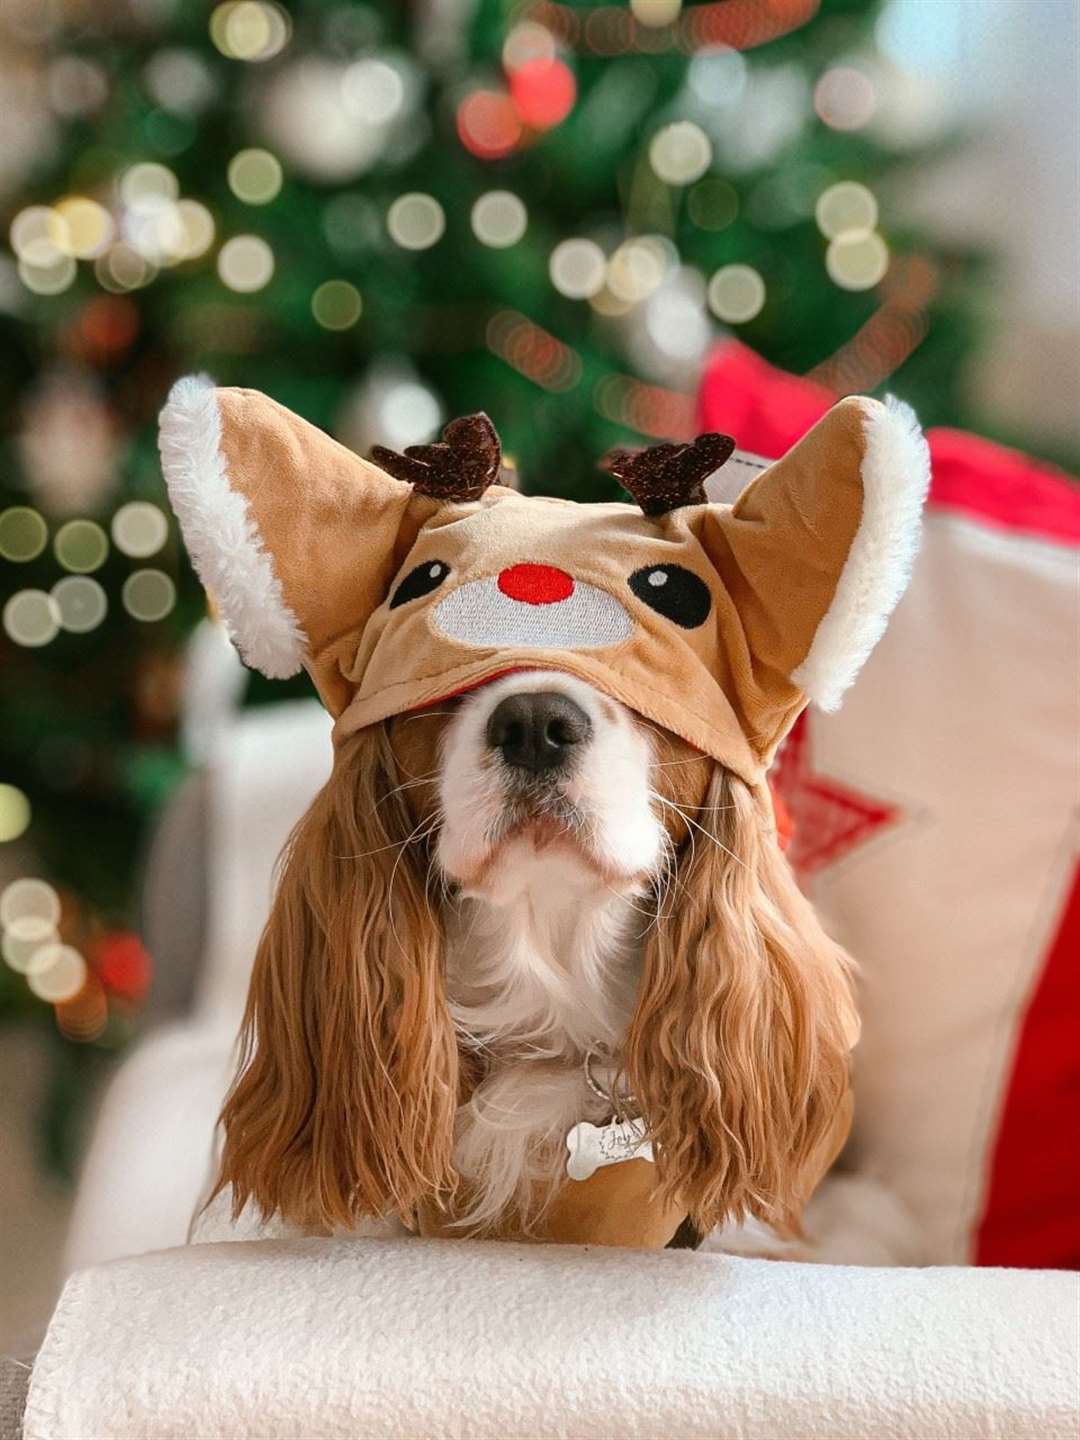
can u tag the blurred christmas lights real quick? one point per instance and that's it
(542, 92)
(578, 268)
(499, 219)
(81, 546)
(23, 534)
(846, 208)
(139, 529)
(336, 305)
(250, 30)
(416, 221)
(527, 41)
(81, 604)
(713, 203)
(197, 226)
(844, 98)
(29, 909)
(655, 13)
(14, 812)
(31, 618)
(857, 261)
(246, 263)
(255, 176)
(736, 294)
(488, 124)
(533, 351)
(680, 153)
(373, 90)
(148, 595)
(179, 80)
(58, 973)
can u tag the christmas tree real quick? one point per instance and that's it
(385, 215)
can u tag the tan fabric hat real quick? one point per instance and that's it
(717, 622)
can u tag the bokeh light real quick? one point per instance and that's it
(655, 13)
(48, 279)
(255, 176)
(14, 812)
(179, 80)
(373, 91)
(29, 909)
(197, 225)
(20, 951)
(499, 219)
(336, 305)
(58, 973)
(81, 546)
(717, 76)
(121, 268)
(713, 203)
(543, 92)
(80, 602)
(139, 529)
(680, 153)
(88, 227)
(30, 618)
(844, 98)
(37, 234)
(251, 30)
(736, 293)
(416, 221)
(857, 261)
(578, 268)
(246, 263)
(488, 124)
(148, 595)
(527, 41)
(146, 183)
(23, 534)
(76, 86)
(636, 268)
(846, 208)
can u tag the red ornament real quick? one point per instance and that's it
(543, 92)
(123, 965)
(488, 124)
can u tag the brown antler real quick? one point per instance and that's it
(461, 467)
(663, 477)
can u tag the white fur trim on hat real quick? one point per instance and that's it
(221, 535)
(896, 477)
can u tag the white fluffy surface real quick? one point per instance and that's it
(221, 535)
(400, 1339)
(896, 477)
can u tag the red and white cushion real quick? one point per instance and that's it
(935, 823)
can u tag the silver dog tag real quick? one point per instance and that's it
(591, 1146)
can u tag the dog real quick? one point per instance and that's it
(535, 966)
(532, 841)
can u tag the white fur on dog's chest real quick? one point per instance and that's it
(533, 988)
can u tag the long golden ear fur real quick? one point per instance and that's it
(344, 1104)
(738, 1049)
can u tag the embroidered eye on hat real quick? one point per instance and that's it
(404, 579)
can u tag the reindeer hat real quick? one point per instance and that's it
(401, 582)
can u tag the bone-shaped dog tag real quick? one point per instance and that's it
(591, 1146)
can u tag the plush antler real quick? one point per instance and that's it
(461, 467)
(663, 477)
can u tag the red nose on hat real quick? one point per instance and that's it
(536, 584)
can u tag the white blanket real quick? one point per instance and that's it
(297, 1339)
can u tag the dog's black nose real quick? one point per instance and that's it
(538, 730)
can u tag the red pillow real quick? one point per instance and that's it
(934, 823)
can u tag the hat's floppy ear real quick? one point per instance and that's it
(816, 552)
(296, 537)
